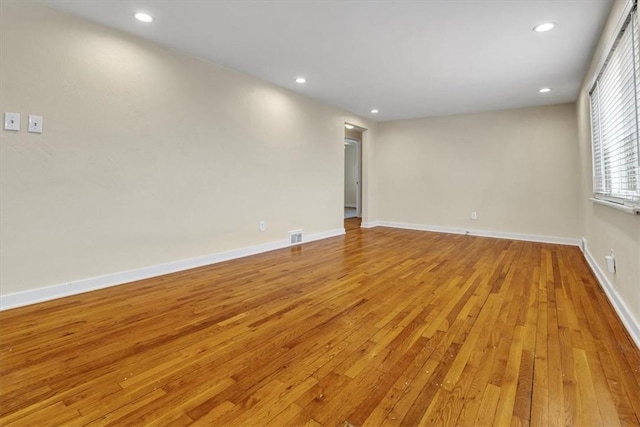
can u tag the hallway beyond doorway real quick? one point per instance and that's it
(350, 213)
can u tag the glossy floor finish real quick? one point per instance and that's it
(380, 327)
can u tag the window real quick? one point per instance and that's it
(614, 120)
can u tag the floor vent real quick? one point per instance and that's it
(295, 237)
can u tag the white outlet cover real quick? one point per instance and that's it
(35, 124)
(11, 121)
(611, 263)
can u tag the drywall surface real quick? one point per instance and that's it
(605, 228)
(517, 169)
(150, 156)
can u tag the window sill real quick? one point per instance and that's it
(633, 210)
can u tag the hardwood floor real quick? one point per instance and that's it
(380, 327)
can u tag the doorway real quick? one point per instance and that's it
(352, 172)
(351, 181)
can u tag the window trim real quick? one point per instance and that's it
(633, 210)
(621, 20)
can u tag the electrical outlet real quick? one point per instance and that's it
(611, 262)
(262, 225)
(474, 215)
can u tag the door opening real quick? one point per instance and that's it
(353, 172)
(350, 178)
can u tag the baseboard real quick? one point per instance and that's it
(48, 293)
(618, 304)
(323, 235)
(482, 233)
(369, 224)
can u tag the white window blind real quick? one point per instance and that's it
(615, 120)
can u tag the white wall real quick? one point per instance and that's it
(605, 228)
(517, 169)
(350, 174)
(150, 156)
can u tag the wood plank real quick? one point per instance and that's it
(487, 411)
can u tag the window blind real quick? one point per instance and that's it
(615, 120)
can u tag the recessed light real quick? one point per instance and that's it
(143, 17)
(374, 111)
(349, 126)
(545, 90)
(544, 27)
(301, 80)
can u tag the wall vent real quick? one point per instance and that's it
(295, 237)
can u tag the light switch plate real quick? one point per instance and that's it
(11, 121)
(35, 124)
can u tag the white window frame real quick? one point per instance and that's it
(605, 190)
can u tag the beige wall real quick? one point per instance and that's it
(150, 156)
(350, 174)
(603, 227)
(516, 168)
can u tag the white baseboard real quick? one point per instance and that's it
(369, 224)
(482, 233)
(631, 324)
(34, 296)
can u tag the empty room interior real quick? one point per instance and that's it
(320, 213)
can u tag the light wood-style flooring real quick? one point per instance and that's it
(379, 327)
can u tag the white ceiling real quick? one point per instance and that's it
(405, 58)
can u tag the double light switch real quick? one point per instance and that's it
(12, 122)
